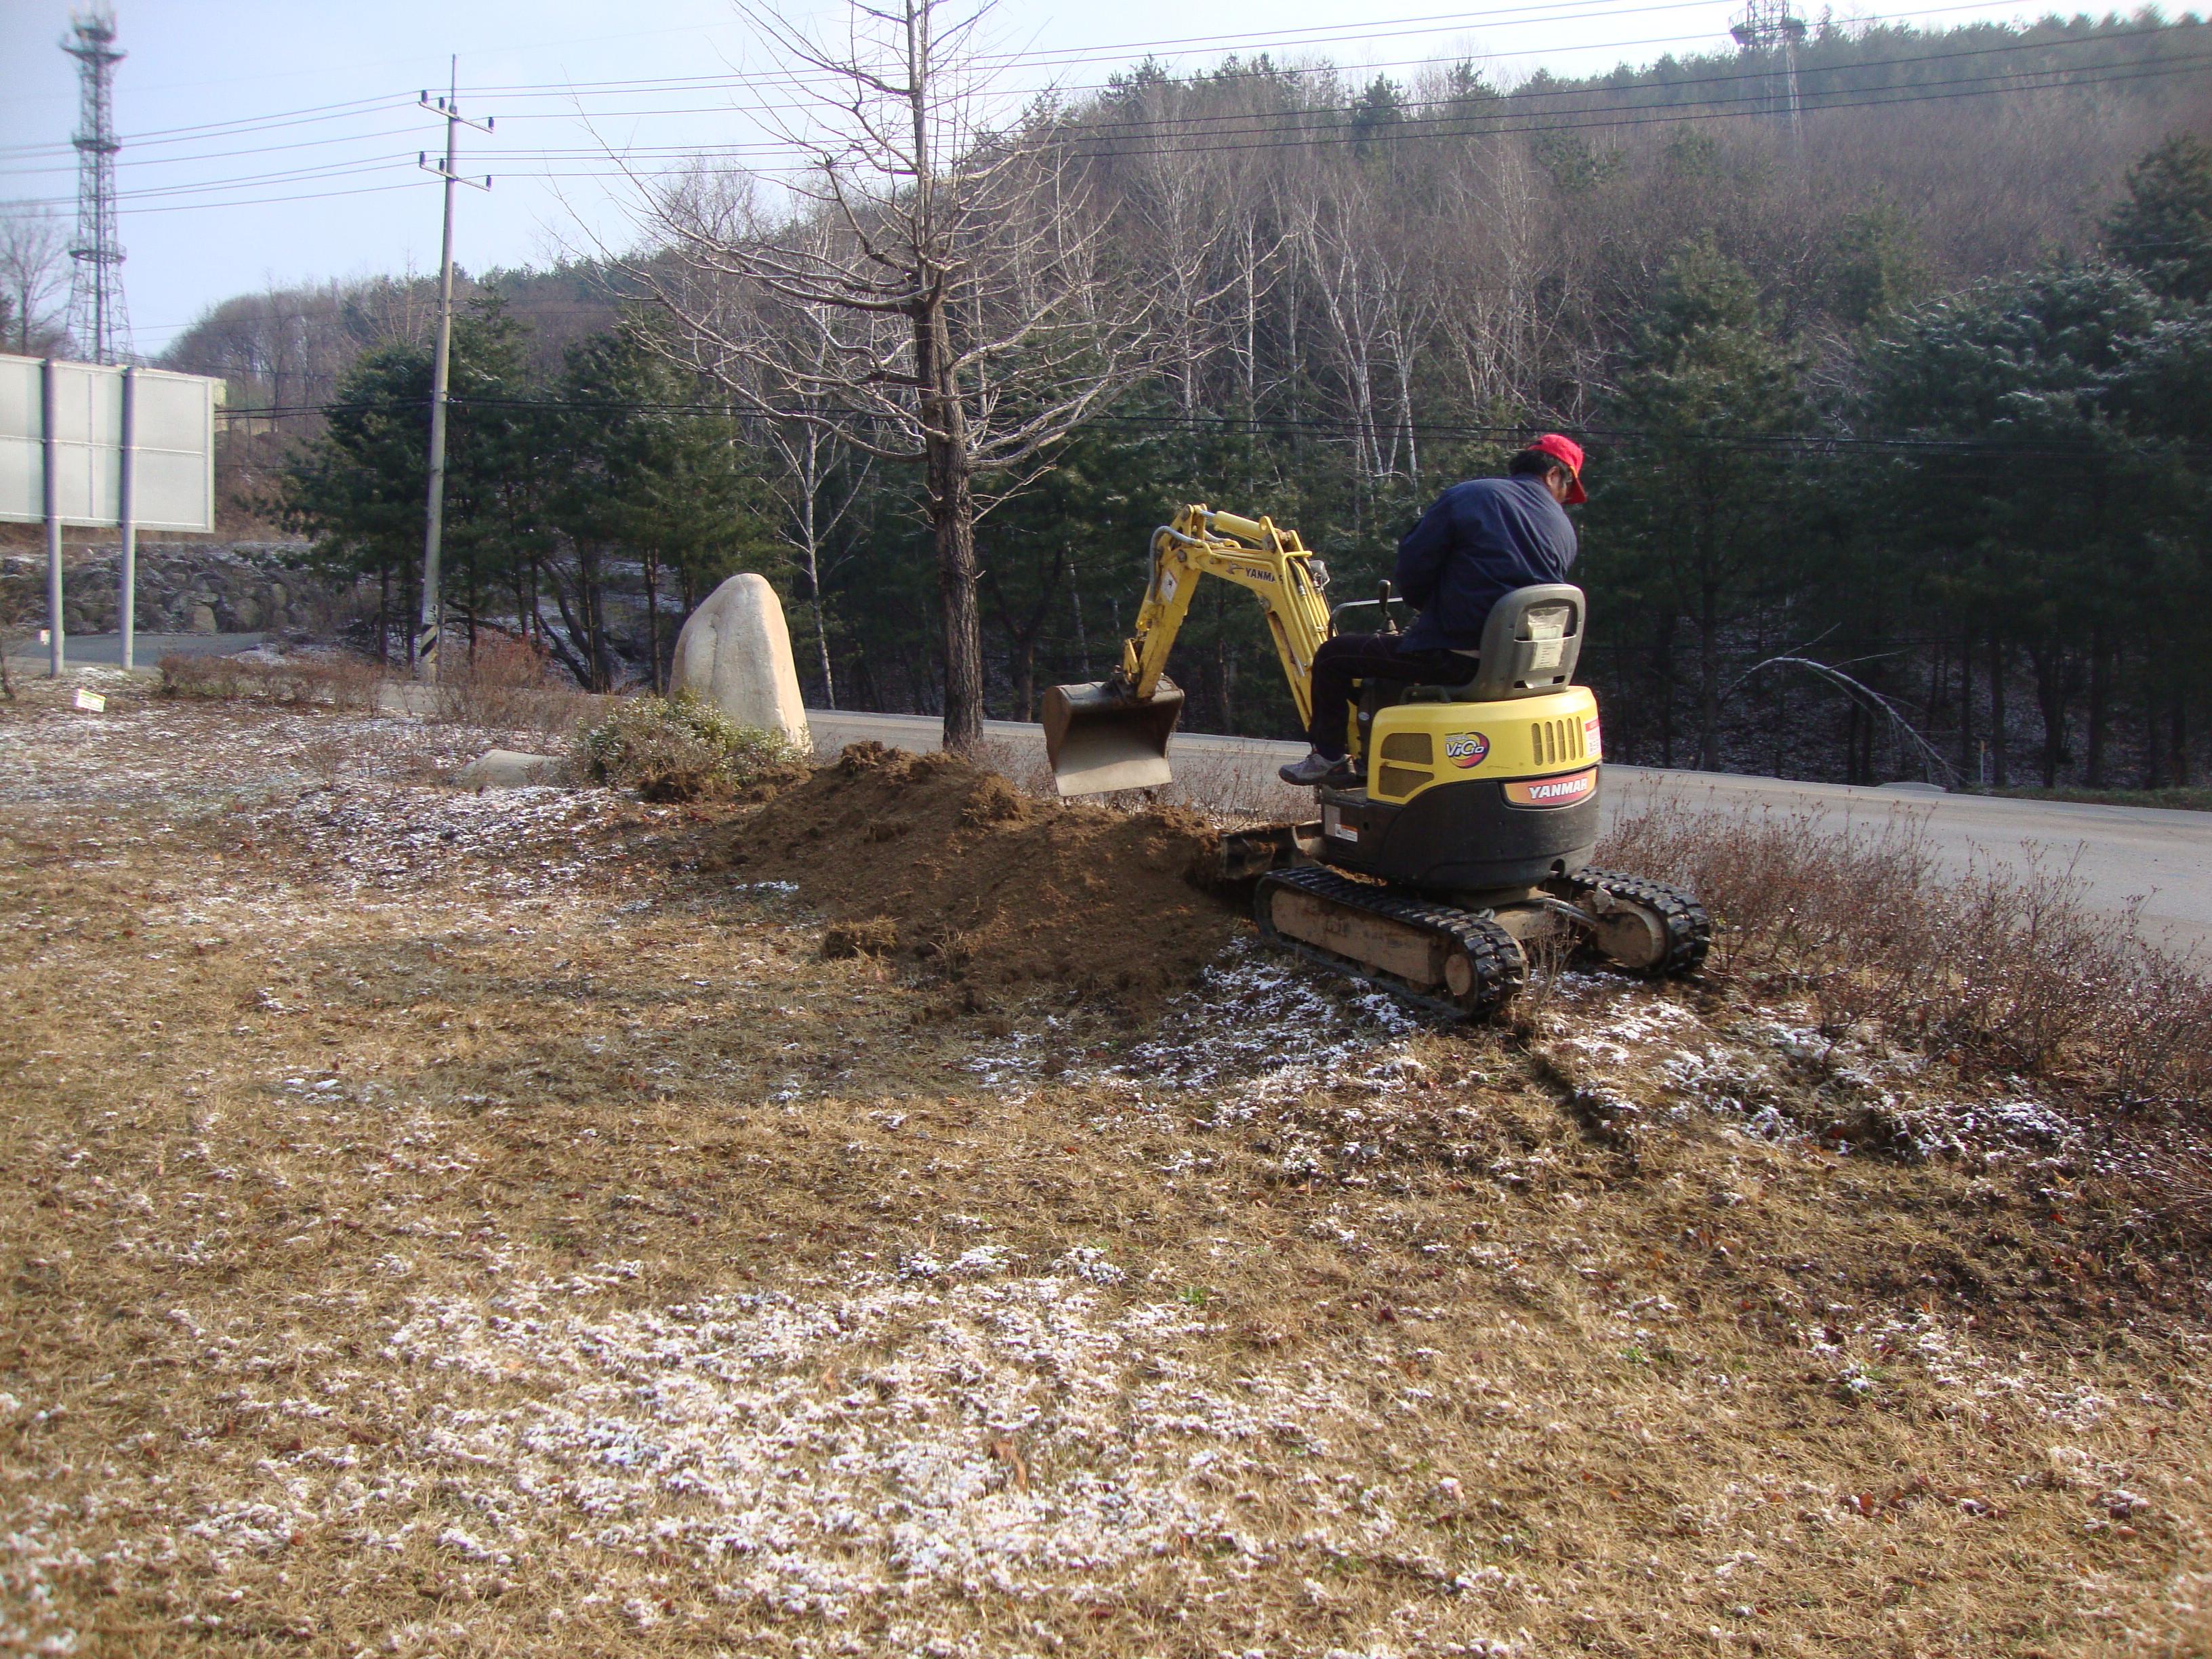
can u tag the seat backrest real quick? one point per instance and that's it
(1530, 643)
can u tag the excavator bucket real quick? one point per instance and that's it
(1099, 739)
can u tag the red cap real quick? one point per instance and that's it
(1567, 450)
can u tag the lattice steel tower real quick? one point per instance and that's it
(98, 326)
(1767, 28)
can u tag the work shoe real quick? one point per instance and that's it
(1319, 770)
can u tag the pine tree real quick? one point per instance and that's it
(1691, 498)
(2163, 227)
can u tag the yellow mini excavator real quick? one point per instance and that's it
(1470, 834)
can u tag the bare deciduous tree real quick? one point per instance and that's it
(928, 296)
(34, 269)
(817, 499)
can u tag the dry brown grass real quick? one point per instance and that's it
(518, 1245)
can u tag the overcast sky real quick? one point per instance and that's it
(272, 143)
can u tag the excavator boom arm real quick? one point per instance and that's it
(1253, 553)
(1114, 734)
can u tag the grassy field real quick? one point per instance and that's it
(452, 1224)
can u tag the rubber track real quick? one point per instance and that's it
(1689, 930)
(1500, 970)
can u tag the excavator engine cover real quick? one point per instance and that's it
(1099, 738)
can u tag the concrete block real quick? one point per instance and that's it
(735, 651)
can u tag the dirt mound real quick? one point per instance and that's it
(932, 857)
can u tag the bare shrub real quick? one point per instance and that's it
(210, 677)
(2163, 1051)
(1770, 903)
(506, 683)
(1233, 788)
(681, 748)
(334, 679)
(355, 682)
(2006, 964)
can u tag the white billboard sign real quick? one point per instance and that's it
(173, 450)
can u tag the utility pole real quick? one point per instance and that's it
(433, 517)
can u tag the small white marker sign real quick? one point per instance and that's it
(93, 701)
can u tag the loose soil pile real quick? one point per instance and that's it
(933, 857)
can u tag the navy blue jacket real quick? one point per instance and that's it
(1481, 540)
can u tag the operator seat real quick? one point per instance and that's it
(1531, 641)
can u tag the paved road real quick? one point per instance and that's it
(106, 650)
(2122, 852)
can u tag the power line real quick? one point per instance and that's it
(1235, 425)
(1283, 134)
(1202, 81)
(1296, 128)
(1689, 84)
(156, 137)
(139, 161)
(1283, 129)
(223, 129)
(1537, 13)
(288, 176)
(1564, 11)
(1609, 104)
(1280, 129)
(278, 201)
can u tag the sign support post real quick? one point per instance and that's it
(126, 488)
(50, 502)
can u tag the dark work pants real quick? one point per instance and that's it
(1350, 656)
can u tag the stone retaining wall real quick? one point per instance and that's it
(193, 588)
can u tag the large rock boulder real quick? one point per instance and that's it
(735, 652)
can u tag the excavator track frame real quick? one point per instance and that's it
(1687, 932)
(1495, 965)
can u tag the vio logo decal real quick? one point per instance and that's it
(1466, 749)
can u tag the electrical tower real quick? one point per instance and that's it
(1765, 28)
(97, 324)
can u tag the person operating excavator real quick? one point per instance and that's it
(1481, 540)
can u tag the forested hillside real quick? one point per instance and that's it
(1898, 411)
